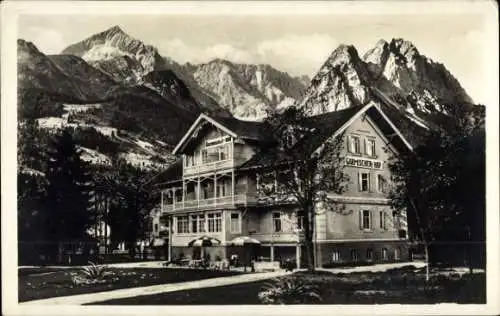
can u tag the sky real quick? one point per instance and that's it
(297, 44)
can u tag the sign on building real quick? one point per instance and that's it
(364, 163)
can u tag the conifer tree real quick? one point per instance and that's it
(67, 200)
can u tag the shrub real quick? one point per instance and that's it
(91, 274)
(289, 290)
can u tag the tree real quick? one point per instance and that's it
(30, 191)
(133, 198)
(67, 200)
(442, 181)
(306, 168)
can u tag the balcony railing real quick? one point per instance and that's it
(208, 167)
(202, 204)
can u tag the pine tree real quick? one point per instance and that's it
(67, 200)
(442, 181)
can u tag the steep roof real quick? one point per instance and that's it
(172, 174)
(325, 126)
(250, 130)
(245, 129)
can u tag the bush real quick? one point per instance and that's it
(91, 274)
(289, 290)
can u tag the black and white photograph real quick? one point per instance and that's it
(191, 157)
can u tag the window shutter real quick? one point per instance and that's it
(366, 146)
(369, 177)
(359, 181)
(372, 224)
(361, 219)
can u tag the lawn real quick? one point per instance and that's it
(40, 283)
(397, 286)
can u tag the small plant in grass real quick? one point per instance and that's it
(289, 290)
(92, 274)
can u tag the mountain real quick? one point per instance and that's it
(395, 75)
(65, 91)
(131, 62)
(396, 68)
(113, 45)
(219, 87)
(247, 90)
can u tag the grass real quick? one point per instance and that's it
(396, 286)
(48, 282)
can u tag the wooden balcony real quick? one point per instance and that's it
(211, 203)
(209, 167)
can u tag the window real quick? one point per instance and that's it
(402, 234)
(364, 182)
(178, 196)
(335, 256)
(276, 222)
(156, 228)
(370, 147)
(354, 144)
(300, 220)
(384, 254)
(214, 222)
(190, 161)
(221, 189)
(369, 254)
(397, 253)
(223, 152)
(365, 220)
(215, 153)
(197, 223)
(354, 255)
(383, 219)
(235, 223)
(182, 224)
(381, 184)
(267, 182)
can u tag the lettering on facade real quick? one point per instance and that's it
(218, 141)
(364, 163)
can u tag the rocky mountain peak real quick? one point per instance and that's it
(392, 72)
(403, 47)
(114, 30)
(247, 90)
(343, 54)
(115, 43)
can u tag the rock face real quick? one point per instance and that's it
(248, 91)
(395, 69)
(411, 88)
(340, 83)
(110, 47)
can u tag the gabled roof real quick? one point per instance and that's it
(329, 125)
(234, 127)
(325, 126)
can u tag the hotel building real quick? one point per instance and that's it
(212, 191)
